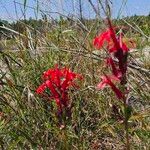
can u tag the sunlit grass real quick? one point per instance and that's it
(29, 121)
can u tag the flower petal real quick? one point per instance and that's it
(41, 88)
(99, 40)
(113, 35)
(118, 93)
(101, 85)
(106, 80)
(52, 88)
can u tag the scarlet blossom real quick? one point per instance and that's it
(117, 50)
(58, 81)
(114, 43)
(41, 88)
(113, 48)
(116, 72)
(102, 38)
(108, 80)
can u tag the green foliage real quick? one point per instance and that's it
(29, 121)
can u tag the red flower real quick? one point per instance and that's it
(103, 37)
(107, 80)
(116, 72)
(118, 50)
(113, 48)
(58, 81)
(114, 43)
(41, 88)
(109, 37)
(113, 36)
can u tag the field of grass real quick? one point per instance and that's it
(29, 121)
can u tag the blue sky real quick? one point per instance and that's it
(11, 11)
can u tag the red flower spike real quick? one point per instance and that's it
(112, 47)
(58, 76)
(47, 74)
(116, 72)
(52, 88)
(41, 88)
(118, 49)
(113, 43)
(57, 100)
(107, 80)
(113, 35)
(99, 40)
(58, 81)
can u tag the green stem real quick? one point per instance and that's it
(126, 127)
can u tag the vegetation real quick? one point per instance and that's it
(30, 121)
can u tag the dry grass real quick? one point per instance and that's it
(29, 121)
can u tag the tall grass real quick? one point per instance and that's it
(28, 121)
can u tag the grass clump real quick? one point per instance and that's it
(29, 121)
